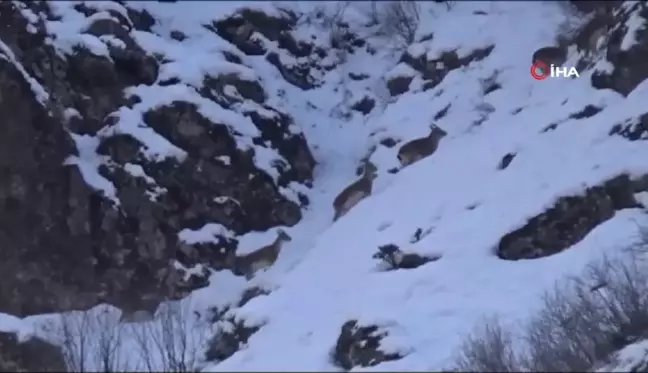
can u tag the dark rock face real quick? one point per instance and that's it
(570, 220)
(43, 230)
(34, 355)
(359, 346)
(591, 6)
(68, 246)
(629, 69)
(142, 20)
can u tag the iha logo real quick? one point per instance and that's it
(540, 70)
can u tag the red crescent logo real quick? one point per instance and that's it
(539, 65)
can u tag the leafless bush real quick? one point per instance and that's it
(336, 17)
(90, 340)
(606, 310)
(173, 342)
(489, 349)
(640, 247)
(396, 18)
(581, 324)
(96, 341)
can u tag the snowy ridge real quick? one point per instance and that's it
(326, 276)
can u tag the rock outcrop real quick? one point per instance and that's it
(632, 129)
(232, 336)
(97, 180)
(433, 70)
(33, 355)
(626, 47)
(359, 346)
(570, 219)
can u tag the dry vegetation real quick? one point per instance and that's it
(399, 19)
(581, 324)
(96, 341)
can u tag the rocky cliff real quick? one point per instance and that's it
(145, 143)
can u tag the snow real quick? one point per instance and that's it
(105, 5)
(12, 324)
(68, 31)
(642, 198)
(629, 358)
(402, 69)
(204, 234)
(9, 323)
(326, 275)
(255, 240)
(634, 24)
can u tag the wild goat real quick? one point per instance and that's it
(550, 55)
(420, 148)
(262, 258)
(356, 192)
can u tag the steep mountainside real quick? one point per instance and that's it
(148, 147)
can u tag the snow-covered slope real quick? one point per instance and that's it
(426, 311)
(327, 276)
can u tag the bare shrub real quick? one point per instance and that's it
(339, 35)
(90, 340)
(581, 323)
(96, 341)
(398, 19)
(173, 342)
(336, 17)
(488, 349)
(640, 247)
